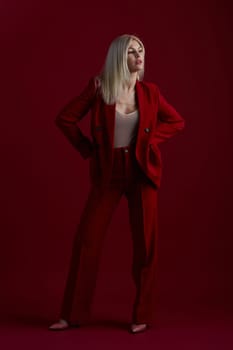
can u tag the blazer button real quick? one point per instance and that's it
(146, 129)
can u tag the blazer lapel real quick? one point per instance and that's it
(109, 114)
(110, 110)
(140, 95)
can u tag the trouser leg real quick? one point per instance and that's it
(87, 245)
(143, 214)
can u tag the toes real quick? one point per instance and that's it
(138, 327)
(62, 324)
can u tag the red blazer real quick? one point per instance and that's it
(158, 121)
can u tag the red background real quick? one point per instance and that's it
(49, 51)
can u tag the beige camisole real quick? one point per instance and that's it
(126, 126)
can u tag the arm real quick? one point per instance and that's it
(169, 121)
(68, 118)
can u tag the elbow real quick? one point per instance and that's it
(182, 124)
(179, 126)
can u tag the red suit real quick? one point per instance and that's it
(134, 171)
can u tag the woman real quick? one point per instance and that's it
(129, 118)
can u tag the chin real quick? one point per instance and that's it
(139, 67)
(136, 70)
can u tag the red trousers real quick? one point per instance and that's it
(127, 179)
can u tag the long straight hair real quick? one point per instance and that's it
(115, 71)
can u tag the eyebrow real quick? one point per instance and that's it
(130, 47)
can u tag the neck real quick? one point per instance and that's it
(129, 86)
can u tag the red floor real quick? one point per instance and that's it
(197, 330)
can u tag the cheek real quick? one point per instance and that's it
(129, 61)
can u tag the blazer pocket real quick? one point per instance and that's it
(155, 154)
(153, 146)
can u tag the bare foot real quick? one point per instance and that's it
(59, 326)
(136, 328)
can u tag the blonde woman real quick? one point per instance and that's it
(129, 118)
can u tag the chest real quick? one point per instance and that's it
(126, 103)
(103, 116)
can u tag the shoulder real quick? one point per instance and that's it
(149, 86)
(91, 87)
(94, 84)
(94, 81)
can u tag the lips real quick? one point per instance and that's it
(138, 61)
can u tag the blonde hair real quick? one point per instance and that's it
(115, 71)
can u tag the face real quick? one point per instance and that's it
(135, 56)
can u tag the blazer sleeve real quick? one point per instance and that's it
(70, 115)
(169, 121)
